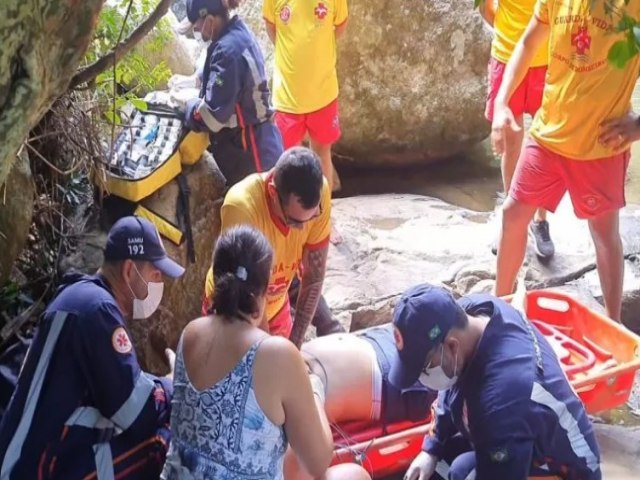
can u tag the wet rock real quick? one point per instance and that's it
(16, 212)
(392, 242)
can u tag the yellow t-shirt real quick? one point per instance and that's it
(582, 88)
(510, 22)
(247, 203)
(304, 77)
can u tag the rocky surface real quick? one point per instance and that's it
(412, 80)
(392, 242)
(16, 212)
(182, 298)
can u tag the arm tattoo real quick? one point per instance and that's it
(315, 262)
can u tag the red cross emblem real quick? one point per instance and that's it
(321, 10)
(285, 14)
(581, 40)
(120, 341)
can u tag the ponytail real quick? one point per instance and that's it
(241, 270)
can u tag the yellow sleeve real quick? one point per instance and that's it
(321, 229)
(232, 214)
(208, 286)
(269, 11)
(341, 12)
(542, 11)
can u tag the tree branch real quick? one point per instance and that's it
(90, 72)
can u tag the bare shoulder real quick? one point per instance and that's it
(193, 330)
(280, 353)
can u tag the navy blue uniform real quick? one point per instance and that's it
(82, 405)
(515, 407)
(234, 105)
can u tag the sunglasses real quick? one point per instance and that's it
(294, 222)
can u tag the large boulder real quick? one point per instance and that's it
(182, 297)
(16, 212)
(412, 80)
(392, 242)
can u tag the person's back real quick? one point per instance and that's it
(361, 391)
(221, 429)
(241, 396)
(50, 422)
(513, 353)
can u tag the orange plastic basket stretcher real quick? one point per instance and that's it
(599, 356)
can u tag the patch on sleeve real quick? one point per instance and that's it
(435, 332)
(120, 341)
(500, 455)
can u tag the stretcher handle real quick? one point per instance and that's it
(568, 342)
(384, 442)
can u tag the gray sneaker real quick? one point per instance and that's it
(542, 243)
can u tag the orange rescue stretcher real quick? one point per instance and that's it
(599, 356)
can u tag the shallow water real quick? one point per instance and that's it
(469, 181)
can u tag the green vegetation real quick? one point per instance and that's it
(132, 75)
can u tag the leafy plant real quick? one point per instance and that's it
(132, 74)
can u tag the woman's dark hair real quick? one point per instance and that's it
(241, 269)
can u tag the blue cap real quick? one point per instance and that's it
(199, 9)
(135, 238)
(422, 319)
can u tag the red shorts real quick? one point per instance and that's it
(323, 126)
(595, 186)
(527, 97)
(282, 323)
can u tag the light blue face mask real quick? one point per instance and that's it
(435, 378)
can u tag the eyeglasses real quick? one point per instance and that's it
(294, 222)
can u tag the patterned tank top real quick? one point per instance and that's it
(222, 433)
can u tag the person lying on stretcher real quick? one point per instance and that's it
(350, 371)
(354, 368)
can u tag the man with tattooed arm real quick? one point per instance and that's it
(291, 206)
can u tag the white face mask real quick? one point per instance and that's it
(144, 308)
(435, 378)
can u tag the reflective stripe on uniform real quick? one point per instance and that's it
(210, 120)
(442, 469)
(578, 443)
(14, 449)
(89, 417)
(132, 407)
(261, 109)
(104, 461)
